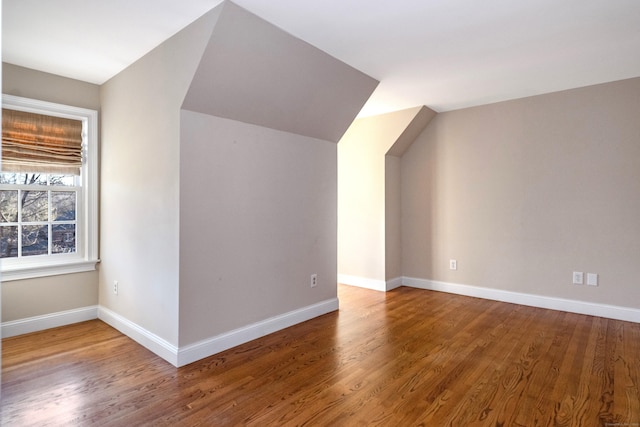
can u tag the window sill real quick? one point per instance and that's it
(21, 272)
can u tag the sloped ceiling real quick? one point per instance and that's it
(254, 72)
(442, 54)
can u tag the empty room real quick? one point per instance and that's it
(332, 213)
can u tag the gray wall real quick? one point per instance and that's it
(42, 296)
(211, 224)
(140, 200)
(523, 193)
(20, 81)
(258, 176)
(257, 218)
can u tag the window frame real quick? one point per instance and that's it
(86, 256)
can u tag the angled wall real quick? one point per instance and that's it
(392, 194)
(140, 199)
(258, 181)
(219, 185)
(368, 195)
(254, 72)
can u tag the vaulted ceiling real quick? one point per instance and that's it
(445, 54)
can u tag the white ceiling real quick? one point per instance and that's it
(446, 54)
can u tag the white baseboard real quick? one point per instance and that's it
(47, 321)
(149, 340)
(376, 285)
(572, 306)
(193, 352)
(208, 347)
(227, 340)
(394, 283)
(172, 354)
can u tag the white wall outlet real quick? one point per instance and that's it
(115, 287)
(578, 277)
(314, 280)
(453, 264)
(592, 279)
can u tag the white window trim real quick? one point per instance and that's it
(87, 258)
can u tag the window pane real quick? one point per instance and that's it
(33, 179)
(35, 206)
(66, 180)
(63, 205)
(35, 240)
(23, 178)
(11, 178)
(63, 238)
(9, 241)
(8, 206)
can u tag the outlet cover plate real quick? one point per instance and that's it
(578, 277)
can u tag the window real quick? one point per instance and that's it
(48, 190)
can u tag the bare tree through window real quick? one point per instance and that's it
(37, 214)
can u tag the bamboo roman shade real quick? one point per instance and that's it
(39, 143)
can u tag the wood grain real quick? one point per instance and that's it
(406, 357)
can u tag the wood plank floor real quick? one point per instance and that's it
(407, 357)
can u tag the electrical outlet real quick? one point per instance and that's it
(314, 280)
(453, 264)
(115, 287)
(592, 279)
(578, 277)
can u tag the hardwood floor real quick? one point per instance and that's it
(407, 357)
